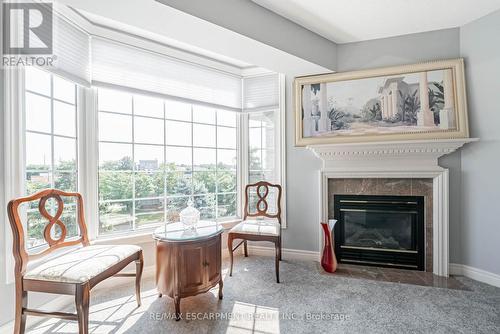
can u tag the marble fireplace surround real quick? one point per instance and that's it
(406, 160)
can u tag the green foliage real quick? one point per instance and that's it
(338, 119)
(409, 107)
(436, 100)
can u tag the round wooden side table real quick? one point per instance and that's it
(188, 262)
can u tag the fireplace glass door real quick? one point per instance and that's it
(380, 230)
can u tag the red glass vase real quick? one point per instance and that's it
(328, 260)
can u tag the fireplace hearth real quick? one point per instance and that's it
(385, 231)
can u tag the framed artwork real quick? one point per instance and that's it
(409, 102)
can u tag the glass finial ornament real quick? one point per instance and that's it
(190, 216)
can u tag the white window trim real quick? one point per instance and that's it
(280, 159)
(13, 150)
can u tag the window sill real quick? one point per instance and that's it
(146, 235)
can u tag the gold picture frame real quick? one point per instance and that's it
(382, 104)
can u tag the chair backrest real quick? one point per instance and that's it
(262, 204)
(21, 255)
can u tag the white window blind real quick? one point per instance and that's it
(72, 52)
(261, 92)
(126, 66)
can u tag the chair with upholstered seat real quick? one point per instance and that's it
(261, 220)
(75, 270)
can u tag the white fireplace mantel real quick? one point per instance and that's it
(398, 159)
(396, 154)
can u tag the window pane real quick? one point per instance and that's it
(115, 217)
(203, 135)
(178, 183)
(148, 130)
(206, 205)
(36, 181)
(149, 184)
(64, 119)
(151, 212)
(204, 158)
(179, 158)
(148, 106)
(226, 137)
(115, 156)
(255, 138)
(226, 159)
(203, 114)
(174, 206)
(255, 162)
(178, 133)
(64, 153)
(115, 185)
(148, 157)
(66, 181)
(226, 181)
(64, 90)
(114, 127)
(115, 101)
(35, 226)
(226, 205)
(204, 182)
(38, 116)
(69, 218)
(37, 80)
(178, 110)
(38, 152)
(227, 118)
(267, 159)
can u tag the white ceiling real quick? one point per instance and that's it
(344, 21)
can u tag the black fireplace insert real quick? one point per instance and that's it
(385, 231)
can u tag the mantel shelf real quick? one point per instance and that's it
(412, 150)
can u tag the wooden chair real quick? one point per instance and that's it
(74, 272)
(258, 229)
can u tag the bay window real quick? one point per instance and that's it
(145, 148)
(156, 154)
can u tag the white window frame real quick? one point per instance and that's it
(91, 151)
(280, 156)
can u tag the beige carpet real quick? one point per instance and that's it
(305, 302)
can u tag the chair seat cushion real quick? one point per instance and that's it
(82, 264)
(269, 227)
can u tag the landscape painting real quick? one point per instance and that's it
(407, 102)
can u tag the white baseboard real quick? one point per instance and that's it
(475, 274)
(292, 254)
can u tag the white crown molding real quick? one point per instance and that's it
(386, 154)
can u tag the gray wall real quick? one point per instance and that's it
(303, 166)
(480, 230)
(249, 19)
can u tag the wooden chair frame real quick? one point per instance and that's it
(81, 291)
(260, 213)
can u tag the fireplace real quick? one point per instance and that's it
(386, 231)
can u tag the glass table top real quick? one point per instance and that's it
(177, 231)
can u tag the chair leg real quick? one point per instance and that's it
(245, 248)
(82, 307)
(280, 247)
(230, 249)
(139, 265)
(221, 284)
(20, 317)
(277, 261)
